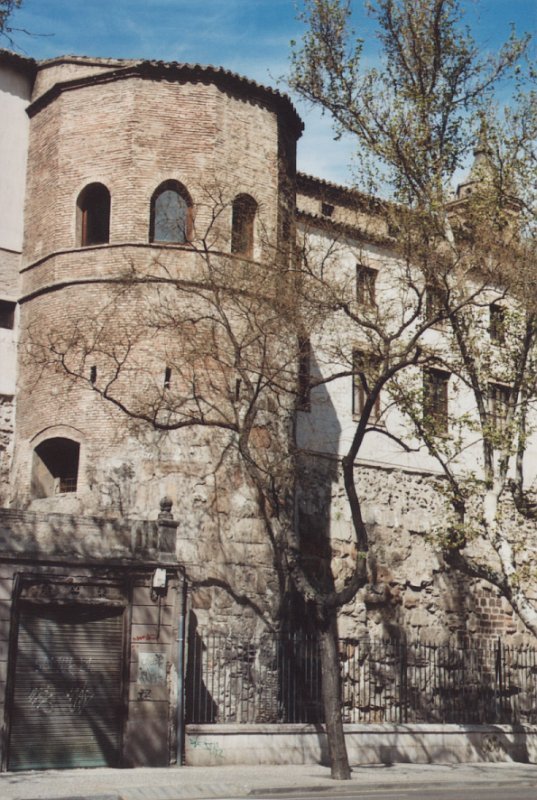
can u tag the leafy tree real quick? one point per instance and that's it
(233, 335)
(490, 349)
(235, 340)
(416, 117)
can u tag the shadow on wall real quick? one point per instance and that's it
(318, 477)
(15, 85)
(199, 703)
(49, 535)
(491, 744)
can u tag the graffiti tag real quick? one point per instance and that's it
(45, 699)
(79, 698)
(42, 699)
(213, 747)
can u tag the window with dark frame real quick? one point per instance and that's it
(365, 285)
(435, 304)
(93, 211)
(364, 366)
(497, 323)
(435, 399)
(243, 215)
(55, 467)
(242, 225)
(7, 314)
(304, 375)
(327, 209)
(170, 214)
(499, 399)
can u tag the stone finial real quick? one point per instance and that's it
(167, 528)
(166, 508)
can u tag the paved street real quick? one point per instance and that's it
(500, 781)
(503, 792)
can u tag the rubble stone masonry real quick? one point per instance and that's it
(413, 594)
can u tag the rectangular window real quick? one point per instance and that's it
(7, 315)
(365, 285)
(499, 397)
(497, 323)
(327, 209)
(364, 368)
(435, 399)
(304, 367)
(435, 303)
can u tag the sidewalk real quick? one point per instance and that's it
(174, 783)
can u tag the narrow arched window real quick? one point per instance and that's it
(242, 225)
(93, 215)
(170, 214)
(55, 467)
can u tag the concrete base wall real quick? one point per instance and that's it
(208, 745)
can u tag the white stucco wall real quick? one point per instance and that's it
(15, 89)
(211, 745)
(14, 124)
(329, 426)
(8, 361)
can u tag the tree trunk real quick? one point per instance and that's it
(331, 692)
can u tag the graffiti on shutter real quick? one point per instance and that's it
(67, 699)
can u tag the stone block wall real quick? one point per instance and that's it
(7, 420)
(413, 594)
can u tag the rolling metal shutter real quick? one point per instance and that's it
(67, 702)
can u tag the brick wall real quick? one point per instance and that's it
(139, 133)
(9, 274)
(65, 69)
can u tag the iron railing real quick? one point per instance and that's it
(278, 679)
(272, 679)
(420, 682)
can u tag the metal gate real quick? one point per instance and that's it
(67, 693)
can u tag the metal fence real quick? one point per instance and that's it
(419, 682)
(278, 679)
(272, 679)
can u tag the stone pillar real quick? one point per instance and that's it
(167, 529)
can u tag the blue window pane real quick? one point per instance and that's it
(171, 212)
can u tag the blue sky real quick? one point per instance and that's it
(250, 37)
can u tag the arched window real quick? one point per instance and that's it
(242, 225)
(93, 215)
(55, 467)
(171, 211)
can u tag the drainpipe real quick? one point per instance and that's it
(181, 658)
